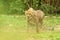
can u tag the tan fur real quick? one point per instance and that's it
(36, 15)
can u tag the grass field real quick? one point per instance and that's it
(14, 28)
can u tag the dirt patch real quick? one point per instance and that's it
(57, 28)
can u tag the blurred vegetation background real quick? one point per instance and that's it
(17, 7)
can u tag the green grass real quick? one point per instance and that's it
(14, 28)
